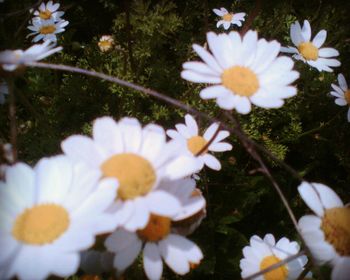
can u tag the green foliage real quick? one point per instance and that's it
(310, 132)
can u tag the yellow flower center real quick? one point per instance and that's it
(279, 273)
(308, 51)
(347, 96)
(48, 29)
(240, 80)
(336, 227)
(135, 174)
(41, 224)
(45, 14)
(227, 17)
(157, 229)
(105, 45)
(195, 144)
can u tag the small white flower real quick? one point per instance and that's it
(160, 243)
(243, 70)
(46, 29)
(4, 90)
(327, 234)
(106, 43)
(188, 136)
(10, 60)
(228, 18)
(139, 158)
(262, 253)
(48, 215)
(342, 93)
(48, 11)
(310, 51)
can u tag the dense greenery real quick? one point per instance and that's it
(310, 132)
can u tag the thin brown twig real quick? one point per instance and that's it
(206, 146)
(251, 17)
(274, 266)
(168, 100)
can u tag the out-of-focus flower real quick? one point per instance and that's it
(262, 253)
(159, 240)
(188, 136)
(342, 93)
(310, 51)
(48, 11)
(4, 90)
(229, 18)
(46, 29)
(10, 60)
(106, 43)
(243, 70)
(49, 214)
(139, 158)
(327, 234)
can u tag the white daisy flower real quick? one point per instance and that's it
(46, 29)
(228, 18)
(139, 158)
(4, 90)
(342, 93)
(262, 253)
(327, 234)
(243, 70)
(188, 136)
(48, 11)
(95, 262)
(310, 51)
(160, 243)
(48, 215)
(10, 60)
(106, 43)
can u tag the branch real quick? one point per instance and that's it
(170, 101)
(251, 17)
(206, 146)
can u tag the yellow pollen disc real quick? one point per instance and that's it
(308, 51)
(195, 144)
(41, 224)
(240, 80)
(105, 45)
(45, 14)
(347, 96)
(48, 29)
(336, 227)
(279, 273)
(135, 174)
(227, 17)
(158, 228)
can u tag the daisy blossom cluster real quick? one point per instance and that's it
(47, 22)
(126, 182)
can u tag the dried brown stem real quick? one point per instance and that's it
(251, 17)
(206, 146)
